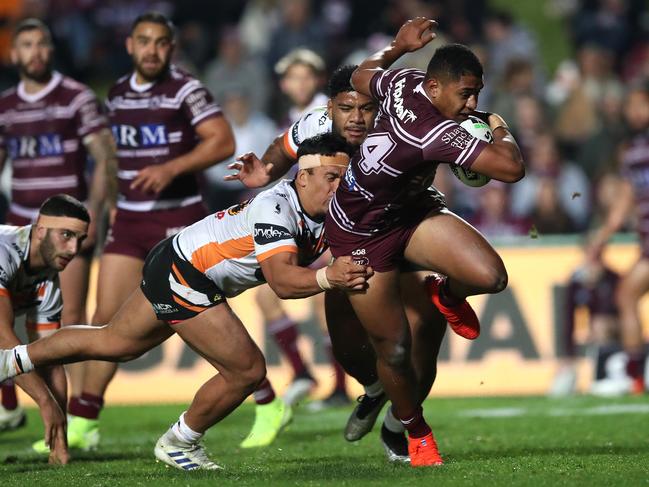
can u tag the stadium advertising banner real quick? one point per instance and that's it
(516, 354)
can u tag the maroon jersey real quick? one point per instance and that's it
(152, 124)
(388, 180)
(635, 168)
(43, 134)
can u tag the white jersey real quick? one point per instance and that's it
(37, 295)
(314, 122)
(228, 246)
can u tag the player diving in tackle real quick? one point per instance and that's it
(187, 279)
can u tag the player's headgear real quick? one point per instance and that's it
(341, 80)
(31, 24)
(328, 149)
(155, 18)
(452, 61)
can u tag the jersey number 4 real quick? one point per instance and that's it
(374, 150)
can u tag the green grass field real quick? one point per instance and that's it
(485, 441)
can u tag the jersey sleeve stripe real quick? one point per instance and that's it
(288, 147)
(277, 250)
(212, 253)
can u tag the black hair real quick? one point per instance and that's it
(64, 205)
(341, 80)
(327, 144)
(155, 18)
(31, 24)
(452, 61)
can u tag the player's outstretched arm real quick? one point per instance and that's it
(412, 35)
(501, 160)
(257, 173)
(290, 281)
(34, 385)
(217, 143)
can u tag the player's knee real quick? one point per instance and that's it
(252, 375)
(493, 279)
(395, 354)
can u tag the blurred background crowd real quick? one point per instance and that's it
(556, 70)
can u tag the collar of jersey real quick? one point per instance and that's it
(139, 88)
(299, 204)
(33, 97)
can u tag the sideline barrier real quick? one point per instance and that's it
(516, 353)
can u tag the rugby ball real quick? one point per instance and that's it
(479, 130)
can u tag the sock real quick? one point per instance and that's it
(392, 423)
(86, 406)
(446, 296)
(374, 390)
(22, 364)
(183, 432)
(635, 365)
(264, 394)
(339, 372)
(9, 398)
(416, 424)
(284, 331)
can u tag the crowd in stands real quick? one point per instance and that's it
(569, 120)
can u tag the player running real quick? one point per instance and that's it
(187, 280)
(31, 258)
(384, 212)
(49, 124)
(167, 128)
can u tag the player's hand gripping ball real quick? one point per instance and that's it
(479, 130)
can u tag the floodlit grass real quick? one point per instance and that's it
(484, 441)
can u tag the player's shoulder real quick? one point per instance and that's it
(181, 82)
(278, 201)
(314, 122)
(8, 95)
(120, 86)
(14, 242)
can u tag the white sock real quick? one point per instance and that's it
(374, 390)
(392, 423)
(183, 432)
(20, 361)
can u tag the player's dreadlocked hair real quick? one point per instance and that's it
(341, 80)
(452, 61)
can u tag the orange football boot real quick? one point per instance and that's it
(461, 317)
(423, 452)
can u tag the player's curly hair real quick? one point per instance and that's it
(341, 80)
(452, 61)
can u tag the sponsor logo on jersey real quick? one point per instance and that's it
(31, 146)
(266, 233)
(457, 137)
(404, 114)
(323, 119)
(349, 178)
(197, 102)
(295, 133)
(147, 135)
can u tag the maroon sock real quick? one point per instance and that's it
(284, 331)
(416, 424)
(634, 367)
(86, 406)
(9, 398)
(339, 372)
(446, 296)
(264, 393)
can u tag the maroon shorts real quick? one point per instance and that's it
(135, 233)
(384, 250)
(643, 239)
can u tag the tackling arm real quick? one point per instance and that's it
(290, 281)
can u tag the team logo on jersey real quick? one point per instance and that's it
(236, 209)
(404, 114)
(266, 233)
(147, 135)
(32, 146)
(278, 209)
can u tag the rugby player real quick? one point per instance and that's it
(187, 279)
(633, 194)
(49, 123)
(384, 212)
(167, 128)
(31, 258)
